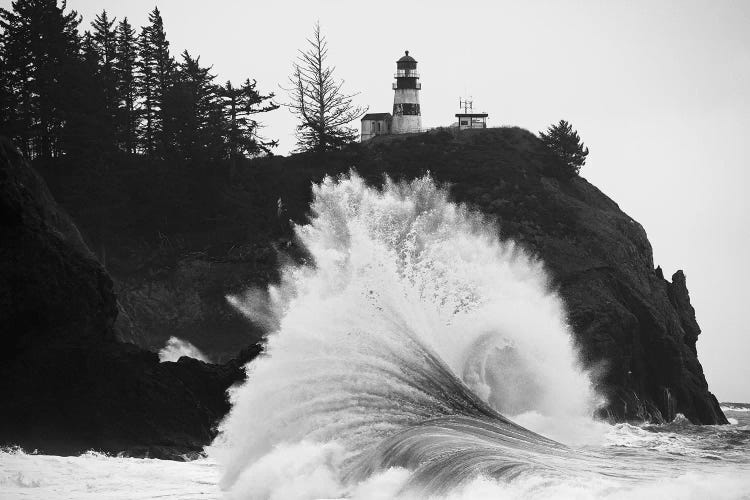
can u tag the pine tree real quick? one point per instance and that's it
(17, 69)
(240, 105)
(125, 65)
(318, 100)
(87, 119)
(105, 44)
(9, 119)
(146, 87)
(216, 129)
(164, 66)
(189, 108)
(566, 146)
(40, 53)
(155, 78)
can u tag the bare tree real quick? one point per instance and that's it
(317, 99)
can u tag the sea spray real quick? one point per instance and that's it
(175, 348)
(412, 309)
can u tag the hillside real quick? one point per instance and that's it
(177, 239)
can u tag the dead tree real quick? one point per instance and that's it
(323, 109)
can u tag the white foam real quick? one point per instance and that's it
(94, 476)
(735, 408)
(686, 486)
(401, 275)
(175, 348)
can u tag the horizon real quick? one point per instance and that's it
(659, 93)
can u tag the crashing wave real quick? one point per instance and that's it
(400, 347)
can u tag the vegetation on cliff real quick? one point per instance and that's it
(565, 144)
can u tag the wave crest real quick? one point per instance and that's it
(413, 310)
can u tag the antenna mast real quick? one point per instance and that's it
(466, 104)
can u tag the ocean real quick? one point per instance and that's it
(672, 461)
(414, 355)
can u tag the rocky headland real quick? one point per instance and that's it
(169, 242)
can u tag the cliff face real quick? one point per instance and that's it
(635, 327)
(640, 327)
(67, 383)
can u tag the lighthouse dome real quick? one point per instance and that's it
(407, 58)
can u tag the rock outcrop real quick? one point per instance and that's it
(67, 384)
(636, 328)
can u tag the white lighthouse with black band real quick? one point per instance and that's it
(407, 117)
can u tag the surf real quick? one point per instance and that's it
(409, 309)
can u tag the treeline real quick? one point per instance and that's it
(112, 90)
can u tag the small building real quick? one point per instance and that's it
(471, 120)
(376, 124)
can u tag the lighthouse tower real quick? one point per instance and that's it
(407, 117)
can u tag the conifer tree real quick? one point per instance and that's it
(105, 43)
(216, 129)
(190, 108)
(125, 65)
(155, 78)
(146, 85)
(566, 146)
(164, 66)
(87, 120)
(9, 123)
(240, 105)
(317, 98)
(17, 68)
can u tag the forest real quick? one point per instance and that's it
(96, 94)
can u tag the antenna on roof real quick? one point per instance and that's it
(466, 104)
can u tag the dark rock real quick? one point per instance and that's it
(635, 327)
(678, 296)
(67, 383)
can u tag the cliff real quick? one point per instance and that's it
(67, 383)
(178, 238)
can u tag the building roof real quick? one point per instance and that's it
(407, 58)
(376, 116)
(472, 115)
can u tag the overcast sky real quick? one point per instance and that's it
(659, 91)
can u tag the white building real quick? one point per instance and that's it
(407, 117)
(471, 120)
(375, 124)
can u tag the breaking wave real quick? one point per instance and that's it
(414, 356)
(400, 347)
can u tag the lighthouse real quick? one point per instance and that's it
(407, 117)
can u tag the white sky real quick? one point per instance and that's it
(659, 91)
